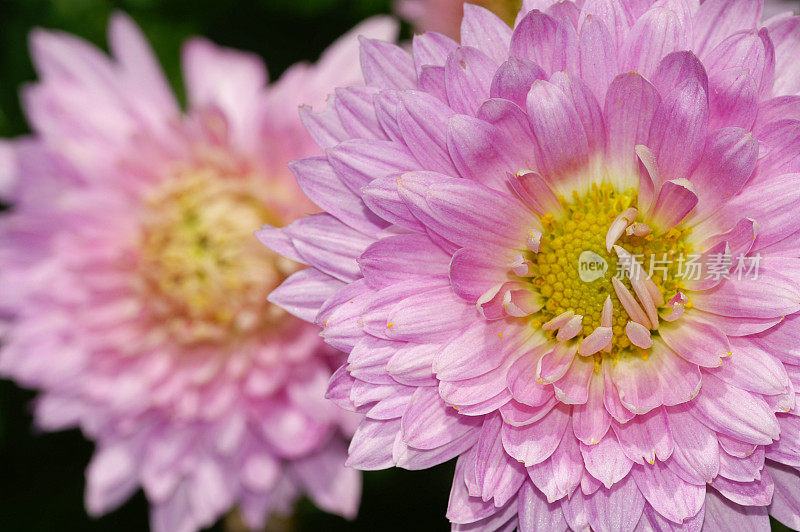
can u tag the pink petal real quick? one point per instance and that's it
(736, 413)
(667, 494)
(514, 78)
(716, 19)
(786, 497)
(545, 41)
(683, 114)
(429, 422)
(563, 144)
(590, 421)
(559, 475)
(393, 259)
(618, 508)
(534, 443)
(468, 76)
(630, 104)
(722, 514)
(697, 342)
(646, 437)
(536, 514)
(605, 460)
(482, 29)
(696, 448)
(386, 66)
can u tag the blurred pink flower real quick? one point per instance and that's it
(513, 217)
(133, 292)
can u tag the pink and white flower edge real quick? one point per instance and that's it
(204, 420)
(675, 121)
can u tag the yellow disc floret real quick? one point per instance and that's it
(573, 270)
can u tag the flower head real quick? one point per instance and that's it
(135, 294)
(517, 219)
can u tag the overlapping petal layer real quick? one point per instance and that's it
(616, 127)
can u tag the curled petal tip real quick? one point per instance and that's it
(571, 329)
(558, 321)
(619, 225)
(534, 240)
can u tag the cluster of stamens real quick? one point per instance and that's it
(594, 274)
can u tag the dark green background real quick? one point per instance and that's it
(41, 475)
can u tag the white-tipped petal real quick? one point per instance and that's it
(489, 304)
(678, 304)
(534, 191)
(521, 266)
(597, 340)
(638, 229)
(638, 334)
(558, 321)
(629, 303)
(618, 227)
(571, 329)
(521, 303)
(533, 240)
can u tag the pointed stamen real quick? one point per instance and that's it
(637, 276)
(607, 316)
(629, 303)
(618, 227)
(638, 334)
(571, 329)
(597, 340)
(558, 321)
(607, 319)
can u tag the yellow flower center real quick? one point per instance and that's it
(573, 269)
(202, 274)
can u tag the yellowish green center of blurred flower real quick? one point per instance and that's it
(202, 273)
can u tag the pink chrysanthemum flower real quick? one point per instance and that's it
(510, 224)
(135, 293)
